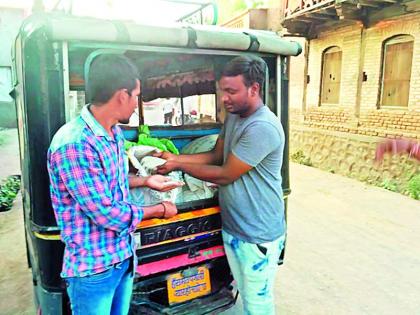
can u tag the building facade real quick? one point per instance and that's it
(360, 83)
(357, 82)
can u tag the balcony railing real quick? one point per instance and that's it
(309, 17)
(298, 7)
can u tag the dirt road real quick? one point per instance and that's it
(352, 248)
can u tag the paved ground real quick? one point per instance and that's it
(352, 248)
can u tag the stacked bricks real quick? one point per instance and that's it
(371, 119)
(329, 119)
(378, 123)
(389, 124)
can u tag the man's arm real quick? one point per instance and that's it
(222, 175)
(81, 174)
(136, 181)
(213, 157)
(395, 146)
(163, 210)
(156, 182)
(255, 143)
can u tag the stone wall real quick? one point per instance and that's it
(352, 156)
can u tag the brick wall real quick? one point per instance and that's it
(348, 39)
(370, 119)
(342, 138)
(338, 119)
(390, 124)
(296, 76)
(375, 36)
(379, 123)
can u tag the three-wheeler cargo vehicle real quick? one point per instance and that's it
(182, 268)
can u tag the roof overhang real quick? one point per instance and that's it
(309, 18)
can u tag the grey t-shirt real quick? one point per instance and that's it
(252, 206)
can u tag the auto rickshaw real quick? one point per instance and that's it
(51, 57)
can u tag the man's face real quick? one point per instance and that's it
(235, 94)
(131, 104)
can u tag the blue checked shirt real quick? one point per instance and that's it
(89, 194)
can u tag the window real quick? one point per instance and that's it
(181, 97)
(396, 70)
(168, 111)
(161, 111)
(331, 76)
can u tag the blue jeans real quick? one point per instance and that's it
(108, 292)
(254, 268)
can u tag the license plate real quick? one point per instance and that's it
(188, 285)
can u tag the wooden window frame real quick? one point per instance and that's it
(397, 39)
(331, 49)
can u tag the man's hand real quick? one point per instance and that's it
(169, 210)
(162, 183)
(168, 167)
(165, 155)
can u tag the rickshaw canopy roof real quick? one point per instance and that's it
(59, 27)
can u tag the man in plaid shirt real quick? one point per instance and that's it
(89, 192)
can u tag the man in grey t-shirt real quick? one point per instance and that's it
(246, 163)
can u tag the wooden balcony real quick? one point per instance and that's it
(309, 17)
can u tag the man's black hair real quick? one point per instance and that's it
(252, 68)
(109, 73)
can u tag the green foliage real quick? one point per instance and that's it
(301, 158)
(8, 191)
(414, 187)
(410, 188)
(389, 184)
